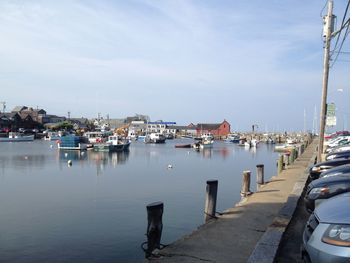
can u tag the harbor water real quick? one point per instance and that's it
(95, 209)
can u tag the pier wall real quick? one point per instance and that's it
(250, 231)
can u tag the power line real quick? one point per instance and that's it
(343, 25)
(341, 45)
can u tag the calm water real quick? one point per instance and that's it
(95, 210)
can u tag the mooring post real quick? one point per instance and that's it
(246, 184)
(292, 156)
(154, 227)
(210, 201)
(260, 174)
(280, 164)
(286, 158)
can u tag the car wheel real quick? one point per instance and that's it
(306, 258)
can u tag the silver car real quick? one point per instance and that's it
(326, 236)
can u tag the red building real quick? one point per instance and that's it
(217, 129)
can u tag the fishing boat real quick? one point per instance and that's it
(17, 137)
(96, 136)
(113, 144)
(155, 138)
(251, 143)
(284, 147)
(52, 136)
(234, 138)
(132, 135)
(71, 142)
(203, 144)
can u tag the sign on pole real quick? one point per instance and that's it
(331, 119)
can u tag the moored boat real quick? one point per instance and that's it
(17, 137)
(155, 138)
(234, 138)
(183, 145)
(71, 142)
(96, 136)
(113, 144)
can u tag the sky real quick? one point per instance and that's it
(247, 62)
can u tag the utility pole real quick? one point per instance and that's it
(328, 34)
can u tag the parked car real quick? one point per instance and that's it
(341, 148)
(317, 169)
(333, 135)
(324, 188)
(339, 141)
(5, 130)
(326, 236)
(337, 155)
(338, 170)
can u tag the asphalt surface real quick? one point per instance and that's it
(289, 250)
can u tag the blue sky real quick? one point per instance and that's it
(249, 62)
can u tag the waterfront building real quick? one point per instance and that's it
(216, 129)
(164, 127)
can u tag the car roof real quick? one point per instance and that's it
(334, 162)
(335, 210)
(340, 168)
(331, 180)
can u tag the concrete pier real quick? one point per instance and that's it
(252, 230)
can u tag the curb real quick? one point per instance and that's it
(266, 249)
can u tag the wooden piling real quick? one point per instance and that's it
(246, 184)
(280, 164)
(260, 174)
(286, 158)
(292, 156)
(154, 227)
(210, 201)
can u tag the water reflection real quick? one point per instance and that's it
(100, 159)
(22, 161)
(104, 159)
(72, 155)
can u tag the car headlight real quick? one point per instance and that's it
(316, 169)
(319, 191)
(337, 235)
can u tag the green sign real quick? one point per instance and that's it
(331, 119)
(330, 110)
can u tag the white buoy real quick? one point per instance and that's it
(69, 162)
(26, 157)
(170, 166)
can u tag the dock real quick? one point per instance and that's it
(252, 230)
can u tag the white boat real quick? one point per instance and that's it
(234, 138)
(132, 135)
(155, 138)
(17, 137)
(206, 143)
(284, 147)
(203, 144)
(52, 136)
(251, 143)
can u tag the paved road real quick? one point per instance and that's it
(289, 250)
